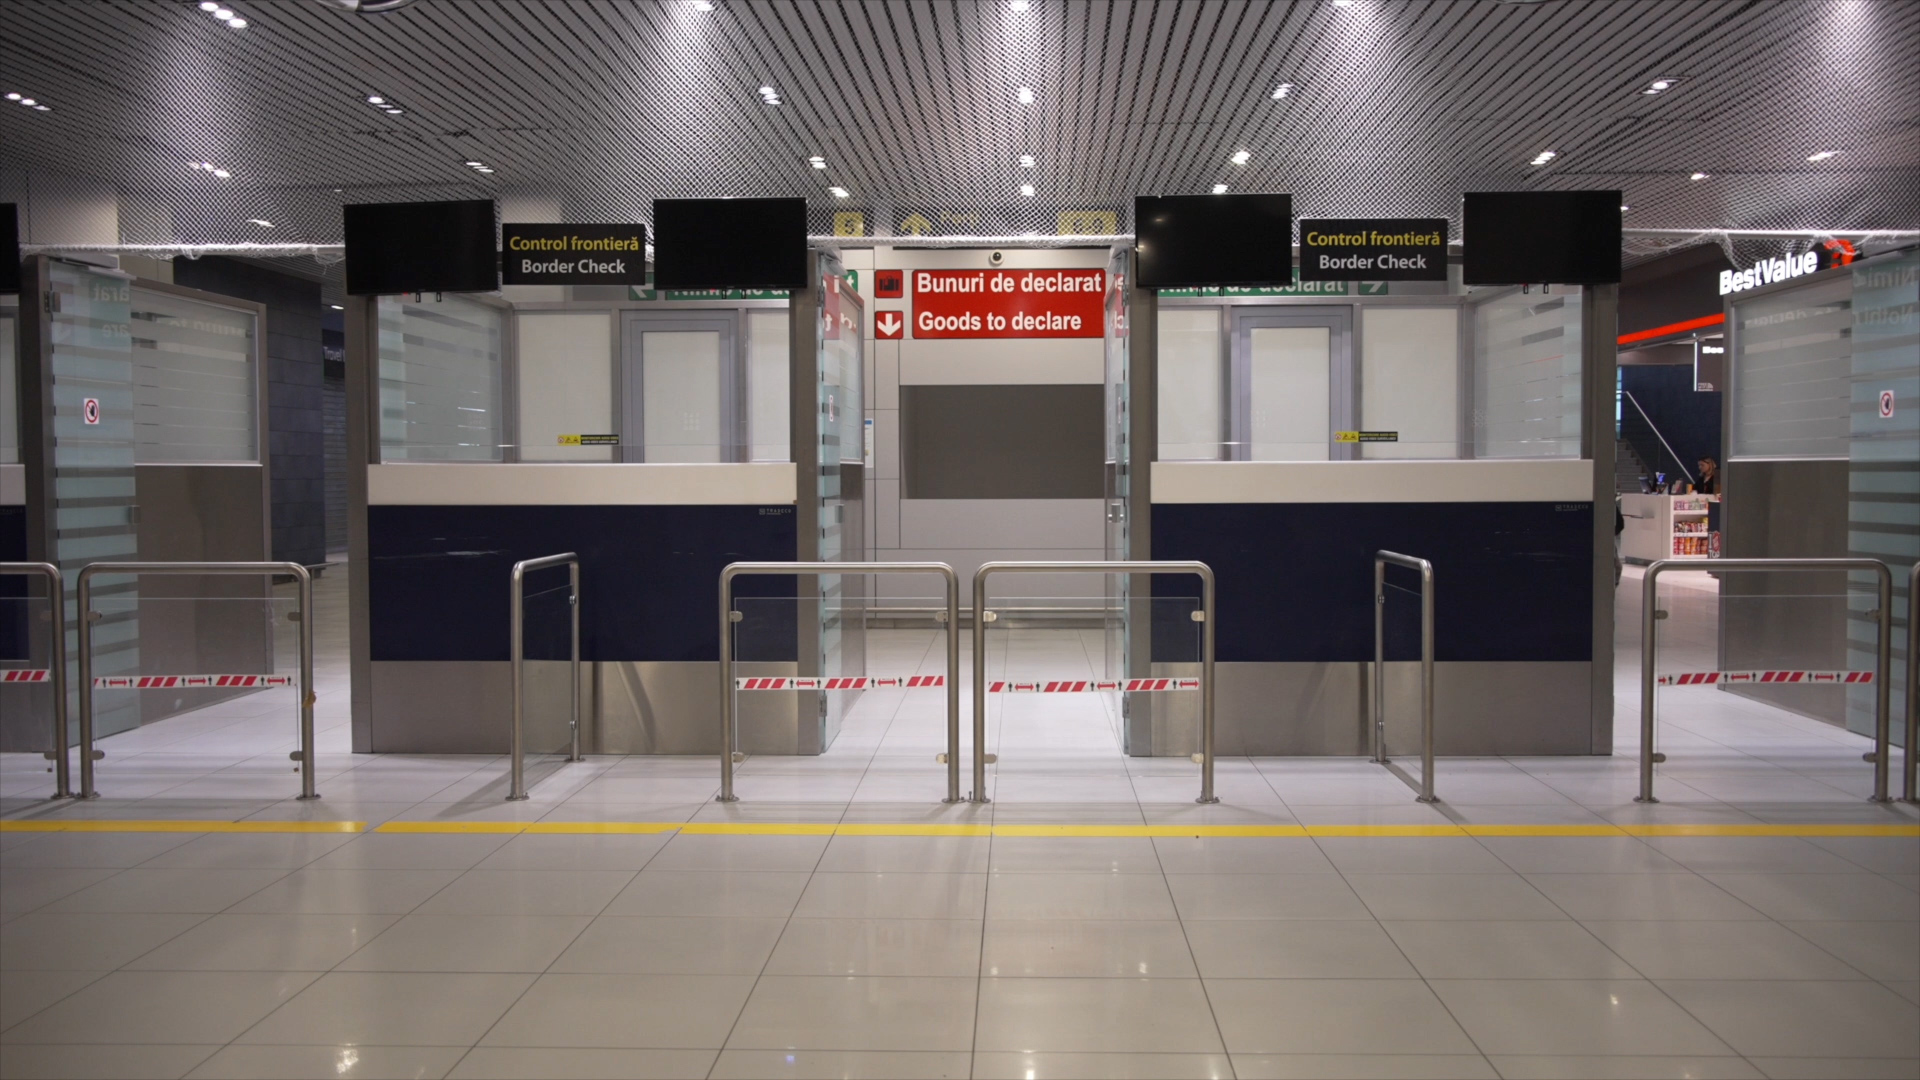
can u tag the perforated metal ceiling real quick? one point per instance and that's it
(600, 106)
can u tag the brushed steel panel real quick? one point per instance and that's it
(466, 707)
(1778, 509)
(1480, 708)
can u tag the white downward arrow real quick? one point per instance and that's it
(889, 323)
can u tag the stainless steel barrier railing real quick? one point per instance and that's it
(1910, 754)
(84, 589)
(981, 619)
(517, 743)
(56, 663)
(1380, 561)
(728, 616)
(1649, 620)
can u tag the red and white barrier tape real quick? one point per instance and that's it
(1092, 687)
(171, 682)
(1710, 678)
(850, 682)
(25, 675)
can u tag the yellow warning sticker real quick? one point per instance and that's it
(589, 440)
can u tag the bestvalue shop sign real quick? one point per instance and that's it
(1768, 272)
(1008, 303)
(1377, 249)
(573, 254)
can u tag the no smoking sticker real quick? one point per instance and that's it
(90, 410)
(1886, 404)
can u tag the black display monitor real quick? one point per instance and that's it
(730, 243)
(9, 248)
(1194, 240)
(418, 247)
(1540, 238)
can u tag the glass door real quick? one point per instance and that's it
(1292, 383)
(680, 380)
(1119, 486)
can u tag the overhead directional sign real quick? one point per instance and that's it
(889, 325)
(1377, 249)
(546, 254)
(1058, 303)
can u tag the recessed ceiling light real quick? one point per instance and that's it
(1282, 90)
(817, 162)
(1026, 161)
(1025, 94)
(43, 108)
(1342, 3)
(1698, 176)
(1661, 85)
(1822, 155)
(30, 101)
(1019, 5)
(1241, 157)
(237, 24)
(222, 173)
(376, 99)
(473, 164)
(1219, 189)
(1026, 190)
(223, 14)
(209, 5)
(703, 5)
(1624, 208)
(839, 192)
(1544, 156)
(336, 307)
(262, 222)
(13, 97)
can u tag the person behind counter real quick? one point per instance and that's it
(1709, 481)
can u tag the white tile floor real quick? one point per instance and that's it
(677, 954)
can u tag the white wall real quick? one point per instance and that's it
(967, 532)
(1410, 380)
(566, 372)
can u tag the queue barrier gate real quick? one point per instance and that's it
(1380, 561)
(729, 684)
(56, 671)
(517, 748)
(1651, 614)
(84, 591)
(981, 687)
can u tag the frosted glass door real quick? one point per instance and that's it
(680, 374)
(1290, 380)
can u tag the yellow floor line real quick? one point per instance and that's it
(760, 828)
(138, 825)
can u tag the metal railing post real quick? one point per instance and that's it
(303, 580)
(308, 750)
(1883, 656)
(728, 708)
(56, 664)
(1206, 616)
(1910, 754)
(1380, 561)
(980, 615)
(516, 654)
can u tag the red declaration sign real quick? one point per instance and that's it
(1008, 303)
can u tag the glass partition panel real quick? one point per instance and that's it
(564, 383)
(94, 507)
(1290, 382)
(1410, 380)
(769, 417)
(1793, 353)
(1192, 382)
(440, 380)
(195, 381)
(9, 386)
(190, 628)
(1526, 374)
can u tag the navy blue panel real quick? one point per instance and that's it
(649, 578)
(1514, 581)
(13, 613)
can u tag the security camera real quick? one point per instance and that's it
(997, 258)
